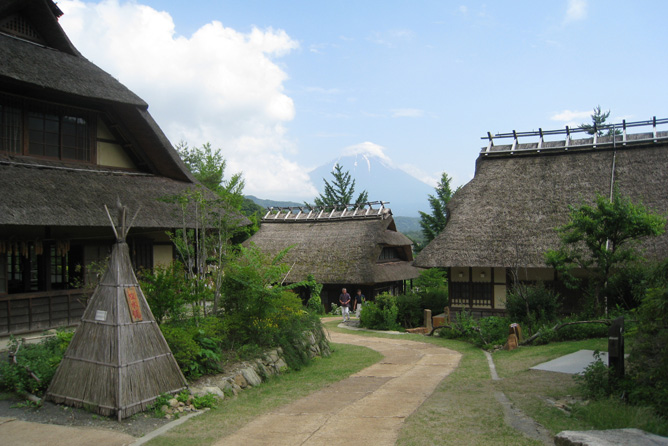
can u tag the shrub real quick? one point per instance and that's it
(336, 310)
(431, 278)
(165, 290)
(434, 299)
(593, 382)
(648, 361)
(42, 359)
(197, 344)
(314, 302)
(381, 314)
(409, 310)
(532, 305)
(493, 331)
(580, 331)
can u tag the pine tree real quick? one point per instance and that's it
(598, 119)
(340, 191)
(432, 224)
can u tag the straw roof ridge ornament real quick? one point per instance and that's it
(121, 231)
(594, 142)
(351, 211)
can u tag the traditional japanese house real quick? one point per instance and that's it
(502, 222)
(352, 248)
(72, 139)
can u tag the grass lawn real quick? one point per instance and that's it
(531, 390)
(462, 411)
(232, 413)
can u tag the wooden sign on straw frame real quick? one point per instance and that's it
(133, 304)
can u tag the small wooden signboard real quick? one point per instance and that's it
(133, 304)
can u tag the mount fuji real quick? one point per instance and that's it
(406, 194)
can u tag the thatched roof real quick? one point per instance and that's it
(118, 361)
(38, 193)
(506, 215)
(337, 249)
(56, 65)
(55, 71)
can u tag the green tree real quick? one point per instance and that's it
(602, 239)
(208, 167)
(340, 191)
(598, 122)
(432, 224)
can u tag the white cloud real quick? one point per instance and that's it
(463, 9)
(407, 113)
(570, 116)
(367, 149)
(218, 85)
(576, 10)
(391, 38)
(420, 174)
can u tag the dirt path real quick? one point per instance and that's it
(368, 407)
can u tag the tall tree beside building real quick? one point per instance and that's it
(340, 191)
(208, 166)
(432, 224)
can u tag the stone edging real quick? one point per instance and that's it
(241, 376)
(252, 373)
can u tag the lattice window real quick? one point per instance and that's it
(46, 130)
(21, 27)
(11, 129)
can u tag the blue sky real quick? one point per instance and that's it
(283, 87)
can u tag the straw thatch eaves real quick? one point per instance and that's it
(338, 247)
(118, 361)
(506, 215)
(49, 194)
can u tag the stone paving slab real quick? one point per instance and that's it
(22, 433)
(368, 407)
(358, 431)
(573, 363)
(611, 437)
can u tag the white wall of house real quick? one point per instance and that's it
(162, 255)
(110, 153)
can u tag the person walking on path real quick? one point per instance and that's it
(344, 300)
(357, 303)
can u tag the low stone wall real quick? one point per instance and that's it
(252, 373)
(241, 376)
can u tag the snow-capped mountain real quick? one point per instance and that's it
(407, 195)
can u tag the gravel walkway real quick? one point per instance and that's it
(368, 407)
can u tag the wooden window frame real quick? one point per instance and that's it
(85, 141)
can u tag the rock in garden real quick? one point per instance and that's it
(252, 378)
(612, 437)
(202, 391)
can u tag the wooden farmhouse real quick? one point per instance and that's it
(503, 221)
(72, 139)
(353, 248)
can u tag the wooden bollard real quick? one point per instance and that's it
(427, 320)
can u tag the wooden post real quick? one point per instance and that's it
(427, 320)
(616, 348)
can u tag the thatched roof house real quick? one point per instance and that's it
(353, 248)
(503, 220)
(72, 138)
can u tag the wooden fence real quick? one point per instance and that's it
(23, 313)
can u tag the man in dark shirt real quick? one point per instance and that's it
(344, 300)
(357, 302)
